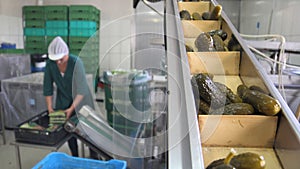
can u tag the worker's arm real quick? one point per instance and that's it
(75, 103)
(49, 104)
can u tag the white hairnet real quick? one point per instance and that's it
(57, 49)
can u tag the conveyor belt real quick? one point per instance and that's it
(97, 132)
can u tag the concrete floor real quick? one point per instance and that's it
(29, 156)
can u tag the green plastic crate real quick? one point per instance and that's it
(36, 50)
(56, 16)
(83, 9)
(57, 24)
(33, 12)
(34, 16)
(82, 32)
(33, 9)
(82, 24)
(35, 23)
(84, 16)
(37, 39)
(34, 45)
(80, 40)
(34, 31)
(62, 9)
(57, 32)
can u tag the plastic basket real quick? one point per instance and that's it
(34, 23)
(83, 24)
(80, 39)
(34, 39)
(33, 12)
(58, 160)
(8, 45)
(36, 45)
(57, 32)
(57, 24)
(82, 32)
(84, 16)
(34, 32)
(83, 9)
(34, 16)
(62, 9)
(56, 16)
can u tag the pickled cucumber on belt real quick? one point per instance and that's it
(188, 48)
(233, 44)
(209, 91)
(215, 14)
(263, 103)
(223, 163)
(219, 32)
(248, 160)
(204, 42)
(233, 98)
(234, 109)
(204, 107)
(185, 15)
(257, 88)
(196, 16)
(218, 43)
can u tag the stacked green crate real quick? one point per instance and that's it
(56, 22)
(34, 29)
(84, 23)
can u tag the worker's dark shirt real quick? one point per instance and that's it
(68, 86)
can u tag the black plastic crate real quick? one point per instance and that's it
(40, 136)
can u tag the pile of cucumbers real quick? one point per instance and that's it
(247, 160)
(215, 98)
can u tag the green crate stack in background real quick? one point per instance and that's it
(78, 25)
(34, 29)
(84, 21)
(56, 22)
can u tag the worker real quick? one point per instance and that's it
(72, 91)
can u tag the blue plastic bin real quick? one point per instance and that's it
(8, 45)
(58, 160)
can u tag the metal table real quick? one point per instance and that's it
(52, 148)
